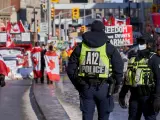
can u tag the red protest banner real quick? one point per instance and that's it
(120, 35)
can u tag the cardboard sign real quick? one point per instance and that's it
(120, 35)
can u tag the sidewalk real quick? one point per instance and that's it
(48, 102)
(61, 102)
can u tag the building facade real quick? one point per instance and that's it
(7, 13)
(30, 13)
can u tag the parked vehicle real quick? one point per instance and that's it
(15, 58)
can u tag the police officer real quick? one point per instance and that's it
(139, 81)
(88, 70)
(155, 67)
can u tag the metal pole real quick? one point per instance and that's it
(119, 10)
(49, 17)
(54, 28)
(34, 13)
(65, 28)
(84, 14)
(53, 23)
(60, 25)
(45, 16)
(129, 9)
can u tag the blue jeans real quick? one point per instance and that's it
(139, 106)
(91, 97)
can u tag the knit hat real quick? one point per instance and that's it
(97, 26)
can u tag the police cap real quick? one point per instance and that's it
(141, 41)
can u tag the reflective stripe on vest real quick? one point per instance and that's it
(138, 73)
(93, 62)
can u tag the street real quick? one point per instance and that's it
(98, 43)
(70, 101)
(15, 102)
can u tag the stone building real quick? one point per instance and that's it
(30, 12)
(8, 13)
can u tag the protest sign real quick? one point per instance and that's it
(119, 35)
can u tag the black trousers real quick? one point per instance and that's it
(91, 97)
(42, 71)
(139, 106)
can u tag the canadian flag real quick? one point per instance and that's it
(3, 67)
(36, 60)
(15, 27)
(9, 41)
(52, 66)
(122, 21)
(112, 21)
(109, 22)
(2, 26)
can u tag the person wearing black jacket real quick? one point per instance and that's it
(92, 86)
(43, 62)
(155, 67)
(150, 36)
(139, 81)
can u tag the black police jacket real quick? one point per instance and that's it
(155, 67)
(94, 40)
(42, 58)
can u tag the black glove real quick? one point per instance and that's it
(122, 102)
(117, 88)
(156, 104)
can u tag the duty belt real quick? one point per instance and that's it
(96, 81)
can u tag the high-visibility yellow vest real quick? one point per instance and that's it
(94, 62)
(138, 73)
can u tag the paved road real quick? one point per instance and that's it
(70, 100)
(15, 102)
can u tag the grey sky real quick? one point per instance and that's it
(117, 0)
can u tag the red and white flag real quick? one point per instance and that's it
(8, 27)
(52, 66)
(9, 41)
(15, 27)
(109, 22)
(125, 21)
(3, 67)
(112, 21)
(21, 27)
(36, 60)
